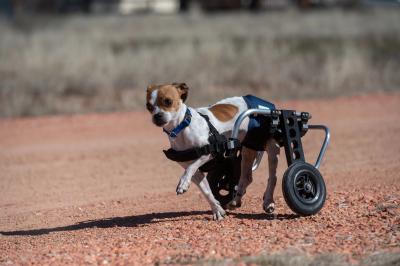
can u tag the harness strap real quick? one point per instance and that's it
(187, 155)
(213, 130)
(217, 141)
(216, 147)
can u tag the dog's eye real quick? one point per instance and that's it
(167, 102)
(150, 107)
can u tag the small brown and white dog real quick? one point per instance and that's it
(166, 103)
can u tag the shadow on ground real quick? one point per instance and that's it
(144, 219)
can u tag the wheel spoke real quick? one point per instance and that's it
(312, 191)
(307, 179)
(305, 186)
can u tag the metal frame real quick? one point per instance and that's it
(325, 143)
(291, 134)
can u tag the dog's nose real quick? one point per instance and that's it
(158, 119)
(157, 116)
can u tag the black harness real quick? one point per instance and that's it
(217, 147)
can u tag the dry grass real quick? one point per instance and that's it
(80, 64)
(294, 259)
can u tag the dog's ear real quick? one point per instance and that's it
(183, 90)
(150, 88)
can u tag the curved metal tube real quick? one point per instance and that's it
(242, 116)
(324, 145)
(236, 127)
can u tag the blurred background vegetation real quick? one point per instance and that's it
(98, 56)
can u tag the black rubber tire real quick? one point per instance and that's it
(304, 188)
(223, 178)
(221, 187)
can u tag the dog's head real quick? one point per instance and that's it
(165, 101)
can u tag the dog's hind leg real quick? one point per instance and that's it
(246, 177)
(273, 151)
(201, 181)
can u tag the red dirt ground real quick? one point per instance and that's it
(97, 189)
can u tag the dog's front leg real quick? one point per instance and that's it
(201, 181)
(186, 178)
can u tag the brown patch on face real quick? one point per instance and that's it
(224, 112)
(149, 90)
(168, 98)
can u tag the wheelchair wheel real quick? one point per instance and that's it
(304, 188)
(223, 179)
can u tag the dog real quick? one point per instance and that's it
(166, 104)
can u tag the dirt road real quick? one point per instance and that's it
(97, 189)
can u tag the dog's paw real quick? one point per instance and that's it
(182, 187)
(269, 206)
(218, 213)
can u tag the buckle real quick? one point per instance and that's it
(232, 144)
(173, 134)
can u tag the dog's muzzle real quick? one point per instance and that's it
(158, 120)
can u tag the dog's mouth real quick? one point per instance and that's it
(159, 121)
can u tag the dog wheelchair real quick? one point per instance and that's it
(303, 185)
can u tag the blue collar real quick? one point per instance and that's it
(182, 125)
